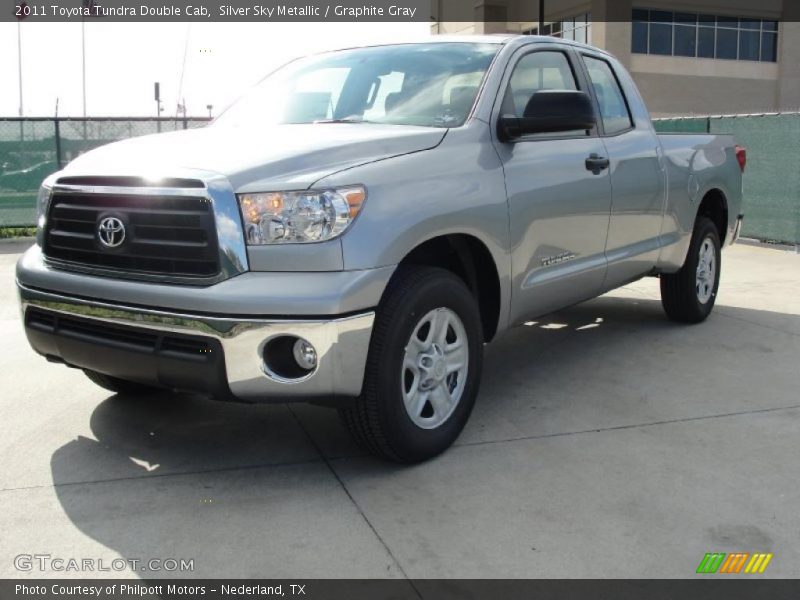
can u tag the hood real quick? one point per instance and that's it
(268, 158)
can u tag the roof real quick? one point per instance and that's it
(499, 39)
(496, 38)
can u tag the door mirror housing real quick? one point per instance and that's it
(549, 111)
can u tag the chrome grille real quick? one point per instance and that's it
(165, 235)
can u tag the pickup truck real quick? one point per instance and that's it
(353, 230)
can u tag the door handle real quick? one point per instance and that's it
(596, 163)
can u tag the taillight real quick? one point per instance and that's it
(741, 157)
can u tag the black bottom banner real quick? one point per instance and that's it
(434, 589)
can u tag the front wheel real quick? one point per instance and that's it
(423, 369)
(688, 296)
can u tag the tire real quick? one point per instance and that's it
(422, 302)
(688, 296)
(119, 386)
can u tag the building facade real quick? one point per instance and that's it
(707, 57)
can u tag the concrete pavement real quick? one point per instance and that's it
(606, 442)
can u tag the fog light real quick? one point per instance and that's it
(305, 354)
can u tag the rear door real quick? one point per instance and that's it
(637, 177)
(558, 206)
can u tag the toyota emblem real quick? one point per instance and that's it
(111, 232)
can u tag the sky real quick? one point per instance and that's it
(123, 60)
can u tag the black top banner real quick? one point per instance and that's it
(431, 11)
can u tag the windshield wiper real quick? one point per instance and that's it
(343, 120)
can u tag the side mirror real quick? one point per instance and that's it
(549, 111)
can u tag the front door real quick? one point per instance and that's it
(559, 203)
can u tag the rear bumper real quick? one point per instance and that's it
(219, 356)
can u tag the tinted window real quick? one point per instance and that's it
(639, 42)
(660, 38)
(727, 43)
(577, 28)
(535, 72)
(661, 16)
(685, 40)
(769, 47)
(749, 42)
(613, 108)
(703, 36)
(706, 42)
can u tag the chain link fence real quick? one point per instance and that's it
(33, 148)
(772, 179)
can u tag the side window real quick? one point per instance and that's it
(613, 108)
(535, 72)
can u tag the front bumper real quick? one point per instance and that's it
(77, 337)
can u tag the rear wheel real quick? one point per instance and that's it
(423, 369)
(688, 296)
(120, 386)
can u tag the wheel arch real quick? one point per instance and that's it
(470, 259)
(714, 205)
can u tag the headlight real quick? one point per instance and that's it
(300, 217)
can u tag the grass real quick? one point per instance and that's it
(17, 232)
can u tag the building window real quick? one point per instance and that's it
(694, 35)
(577, 28)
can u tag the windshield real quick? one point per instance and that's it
(431, 85)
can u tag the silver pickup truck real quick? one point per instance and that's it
(355, 229)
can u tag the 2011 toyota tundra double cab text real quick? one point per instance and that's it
(356, 228)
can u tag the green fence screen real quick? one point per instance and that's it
(683, 125)
(772, 177)
(33, 148)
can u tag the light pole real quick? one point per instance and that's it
(181, 109)
(92, 8)
(157, 90)
(83, 73)
(210, 107)
(19, 62)
(83, 63)
(541, 16)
